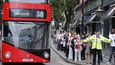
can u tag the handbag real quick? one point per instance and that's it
(77, 46)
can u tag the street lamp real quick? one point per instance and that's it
(99, 11)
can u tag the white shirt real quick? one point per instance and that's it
(58, 36)
(112, 37)
(75, 42)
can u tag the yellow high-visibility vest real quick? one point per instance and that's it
(96, 43)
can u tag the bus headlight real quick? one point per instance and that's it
(46, 54)
(7, 54)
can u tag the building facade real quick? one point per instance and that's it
(93, 20)
(97, 15)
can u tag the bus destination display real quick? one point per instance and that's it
(27, 13)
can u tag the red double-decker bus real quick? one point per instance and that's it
(26, 31)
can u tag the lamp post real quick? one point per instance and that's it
(82, 20)
(99, 13)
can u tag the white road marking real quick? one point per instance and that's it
(59, 61)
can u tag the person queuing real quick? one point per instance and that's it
(70, 45)
(112, 46)
(58, 39)
(62, 41)
(73, 44)
(66, 49)
(88, 50)
(83, 48)
(96, 45)
(78, 48)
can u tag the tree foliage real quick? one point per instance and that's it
(57, 9)
(61, 7)
(0, 3)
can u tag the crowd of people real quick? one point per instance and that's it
(83, 47)
(70, 43)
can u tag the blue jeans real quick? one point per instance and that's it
(112, 49)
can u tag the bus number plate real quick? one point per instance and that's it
(27, 59)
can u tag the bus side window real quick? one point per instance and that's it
(6, 30)
(7, 33)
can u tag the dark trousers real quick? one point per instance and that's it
(83, 53)
(95, 52)
(101, 58)
(58, 44)
(67, 51)
(112, 50)
(73, 52)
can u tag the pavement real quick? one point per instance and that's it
(105, 54)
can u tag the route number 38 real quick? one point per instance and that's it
(40, 14)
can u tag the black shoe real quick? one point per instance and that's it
(93, 64)
(83, 58)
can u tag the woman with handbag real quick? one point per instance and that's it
(78, 48)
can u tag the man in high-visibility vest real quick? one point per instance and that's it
(96, 45)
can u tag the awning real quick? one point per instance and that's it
(93, 19)
(75, 22)
(110, 12)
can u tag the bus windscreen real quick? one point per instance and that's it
(27, 1)
(27, 35)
